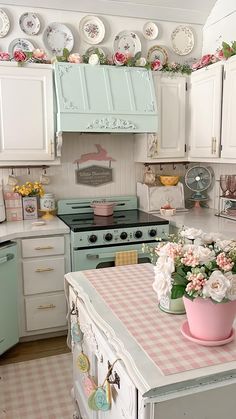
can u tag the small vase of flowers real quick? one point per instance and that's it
(30, 192)
(200, 268)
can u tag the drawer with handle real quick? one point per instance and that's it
(43, 246)
(45, 311)
(43, 275)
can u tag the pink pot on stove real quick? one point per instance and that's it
(104, 209)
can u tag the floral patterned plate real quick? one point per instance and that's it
(58, 36)
(92, 29)
(182, 40)
(29, 23)
(127, 42)
(150, 31)
(157, 53)
(92, 50)
(4, 24)
(20, 44)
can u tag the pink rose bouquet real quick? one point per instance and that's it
(119, 58)
(193, 267)
(156, 65)
(39, 54)
(19, 56)
(4, 56)
(75, 58)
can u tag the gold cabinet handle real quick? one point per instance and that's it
(44, 269)
(43, 247)
(212, 145)
(46, 306)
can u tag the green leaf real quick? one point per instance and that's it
(66, 53)
(234, 46)
(226, 50)
(137, 56)
(177, 291)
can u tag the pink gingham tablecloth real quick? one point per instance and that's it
(127, 291)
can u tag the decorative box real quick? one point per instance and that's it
(13, 205)
(30, 207)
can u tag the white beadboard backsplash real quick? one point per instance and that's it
(126, 173)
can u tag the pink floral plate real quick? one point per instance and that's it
(187, 334)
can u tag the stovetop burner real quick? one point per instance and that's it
(120, 219)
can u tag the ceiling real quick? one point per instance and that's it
(189, 11)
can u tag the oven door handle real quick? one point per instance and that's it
(91, 256)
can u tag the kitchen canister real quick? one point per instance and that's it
(47, 202)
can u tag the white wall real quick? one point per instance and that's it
(220, 26)
(120, 147)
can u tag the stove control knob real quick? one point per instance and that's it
(123, 235)
(138, 234)
(93, 238)
(152, 233)
(108, 237)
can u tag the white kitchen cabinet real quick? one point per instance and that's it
(26, 113)
(169, 141)
(205, 112)
(43, 303)
(228, 142)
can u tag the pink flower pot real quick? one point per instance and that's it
(208, 320)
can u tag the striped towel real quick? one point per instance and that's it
(126, 258)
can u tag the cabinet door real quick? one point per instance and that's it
(26, 113)
(9, 334)
(229, 106)
(169, 140)
(171, 97)
(205, 112)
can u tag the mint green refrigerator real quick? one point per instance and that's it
(9, 333)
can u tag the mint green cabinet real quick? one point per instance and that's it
(9, 334)
(104, 98)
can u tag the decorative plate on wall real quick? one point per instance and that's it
(127, 42)
(22, 44)
(58, 36)
(157, 53)
(29, 23)
(92, 50)
(4, 23)
(92, 29)
(150, 31)
(182, 40)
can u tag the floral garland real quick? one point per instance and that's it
(223, 53)
(119, 59)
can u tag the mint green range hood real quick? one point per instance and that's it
(104, 99)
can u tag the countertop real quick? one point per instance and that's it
(205, 220)
(10, 230)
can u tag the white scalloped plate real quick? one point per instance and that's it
(92, 29)
(58, 36)
(182, 39)
(29, 23)
(4, 24)
(150, 31)
(127, 42)
(20, 44)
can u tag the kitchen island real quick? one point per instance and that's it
(158, 374)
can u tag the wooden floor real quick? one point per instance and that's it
(35, 349)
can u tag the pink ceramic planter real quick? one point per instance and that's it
(208, 320)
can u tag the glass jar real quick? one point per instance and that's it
(47, 202)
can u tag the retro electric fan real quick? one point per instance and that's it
(198, 179)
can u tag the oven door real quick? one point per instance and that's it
(104, 257)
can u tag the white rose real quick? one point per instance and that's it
(208, 238)
(204, 254)
(162, 284)
(141, 62)
(191, 233)
(224, 245)
(231, 293)
(165, 264)
(216, 287)
(94, 59)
